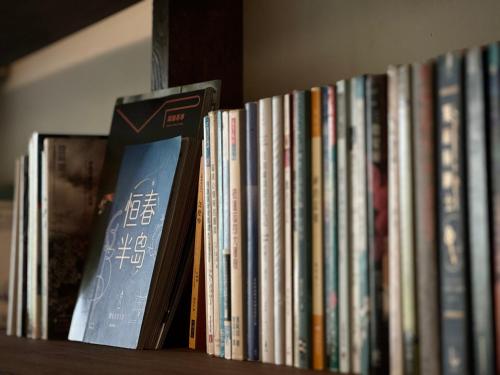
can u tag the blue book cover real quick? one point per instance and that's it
(252, 230)
(222, 229)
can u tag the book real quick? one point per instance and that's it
(318, 328)
(407, 235)
(426, 241)
(395, 316)
(237, 239)
(266, 265)
(330, 226)
(478, 215)
(6, 211)
(278, 230)
(452, 220)
(12, 305)
(302, 261)
(221, 226)
(344, 223)
(140, 258)
(252, 308)
(377, 201)
(288, 224)
(70, 169)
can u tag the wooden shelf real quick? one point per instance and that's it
(25, 356)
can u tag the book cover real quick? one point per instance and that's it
(376, 139)
(237, 239)
(302, 249)
(478, 215)
(318, 327)
(252, 308)
(11, 322)
(395, 316)
(278, 231)
(452, 220)
(221, 225)
(330, 235)
(426, 240)
(344, 223)
(288, 225)
(266, 230)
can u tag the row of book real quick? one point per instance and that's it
(354, 226)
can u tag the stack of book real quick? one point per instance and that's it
(354, 227)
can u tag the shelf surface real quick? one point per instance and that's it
(25, 356)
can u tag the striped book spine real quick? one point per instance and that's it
(215, 226)
(226, 256)
(406, 221)
(266, 230)
(288, 220)
(343, 150)
(452, 226)
(318, 328)
(395, 316)
(376, 128)
(478, 206)
(221, 225)
(237, 213)
(424, 161)
(494, 163)
(331, 271)
(278, 231)
(302, 228)
(252, 230)
(209, 291)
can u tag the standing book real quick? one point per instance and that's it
(11, 322)
(221, 225)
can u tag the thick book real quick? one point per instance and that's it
(377, 200)
(454, 310)
(237, 239)
(70, 169)
(360, 297)
(318, 327)
(344, 223)
(407, 235)
(266, 230)
(302, 249)
(221, 225)
(139, 263)
(395, 317)
(278, 231)
(11, 322)
(494, 173)
(252, 309)
(426, 240)
(478, 215)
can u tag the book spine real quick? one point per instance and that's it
(318, 329)
(343, 172)
(302, 228)
(478, 206)
(424, 156)
(198, 244)
(288, 221)
(395, 316)
(47, 160)
(214, 182)
(236, 187)
(331, 271)
(494, 163)
(266, 230)
(406, 222)
(252, 230)
(452, 226)
(209, 291)
(226, 257)
(221, 225)
(278, 231)
(376, 127)
(23, 248)
(360, 281)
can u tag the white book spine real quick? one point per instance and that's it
(44, 220)
(288, 220)
(21, 273)
(266, 231)
(278, 231)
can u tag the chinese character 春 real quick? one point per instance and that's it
(139, 250)
(148, 211)
(125, 245)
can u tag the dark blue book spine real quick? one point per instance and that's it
(252, 230)
(452, 225)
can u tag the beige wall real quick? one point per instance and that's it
(71, 85)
